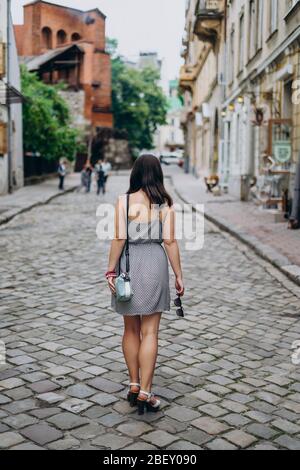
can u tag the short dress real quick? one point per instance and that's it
(149, 270)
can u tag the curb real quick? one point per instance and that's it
(263, 251)
(4, 220)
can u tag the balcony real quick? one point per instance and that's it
(187, 77)
(183, 52)
(209, 15)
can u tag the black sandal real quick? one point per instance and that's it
(132, 396)
(150, 407)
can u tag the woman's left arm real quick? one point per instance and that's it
(117, 245)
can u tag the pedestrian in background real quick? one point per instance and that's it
(86, 177)
(100, 177)
(62, 171)
(107, 169)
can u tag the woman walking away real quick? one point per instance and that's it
(138, 273)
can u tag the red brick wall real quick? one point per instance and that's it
(41, 14)
(19, 35)
(96, 68)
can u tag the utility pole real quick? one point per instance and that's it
(8, 104)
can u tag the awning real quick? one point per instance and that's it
(9, 94)
(35, 63)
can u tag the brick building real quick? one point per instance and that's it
(68, 45)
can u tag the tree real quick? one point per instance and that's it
(46, 120)
(139, 104)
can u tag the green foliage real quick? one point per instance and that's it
(139, 103)
(46, 120)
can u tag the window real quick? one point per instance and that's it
(231, 56)
(255, 26)
(259, 22)
(47, 38)
(75, 37)
(242, 42)
(252, 35)
(273, 14)
(61, 37)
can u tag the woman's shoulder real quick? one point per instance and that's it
(166, 211)
(121, 201)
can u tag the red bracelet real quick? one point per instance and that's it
(110, 274)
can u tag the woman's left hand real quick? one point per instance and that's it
(111, 284)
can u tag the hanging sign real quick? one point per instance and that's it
(282, 151)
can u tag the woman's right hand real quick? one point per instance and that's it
(111, 285)
(179, 286)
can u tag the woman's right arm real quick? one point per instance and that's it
(117, 245)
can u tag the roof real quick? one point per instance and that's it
(34, 63)
(67, 8)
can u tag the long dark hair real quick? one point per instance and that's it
(147, 175)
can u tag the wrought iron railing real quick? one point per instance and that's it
(210, 6)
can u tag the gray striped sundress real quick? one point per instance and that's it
(149, 271)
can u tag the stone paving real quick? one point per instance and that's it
(31, 196)
(224, 374)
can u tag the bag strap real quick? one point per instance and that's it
(127, 236)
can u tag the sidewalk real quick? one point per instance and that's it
(28, 197)
(247, 222)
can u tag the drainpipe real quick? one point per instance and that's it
(9, 114)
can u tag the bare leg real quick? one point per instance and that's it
(131, 346)
(148, 349)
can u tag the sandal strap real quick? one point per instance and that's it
(148, 394)
(151, 395)
(132, 384)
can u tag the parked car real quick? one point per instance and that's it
(171, 159)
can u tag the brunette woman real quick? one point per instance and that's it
(151, 224)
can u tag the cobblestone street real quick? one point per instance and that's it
(225, 372)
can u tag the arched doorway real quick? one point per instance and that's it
(61, 37)
(47, 38)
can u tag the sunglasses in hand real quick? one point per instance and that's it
(178, 303)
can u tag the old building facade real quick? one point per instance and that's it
(170, 136)
(11, 140)
(245, 90)
(200, 84)
(260, 109)
(68, 45)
